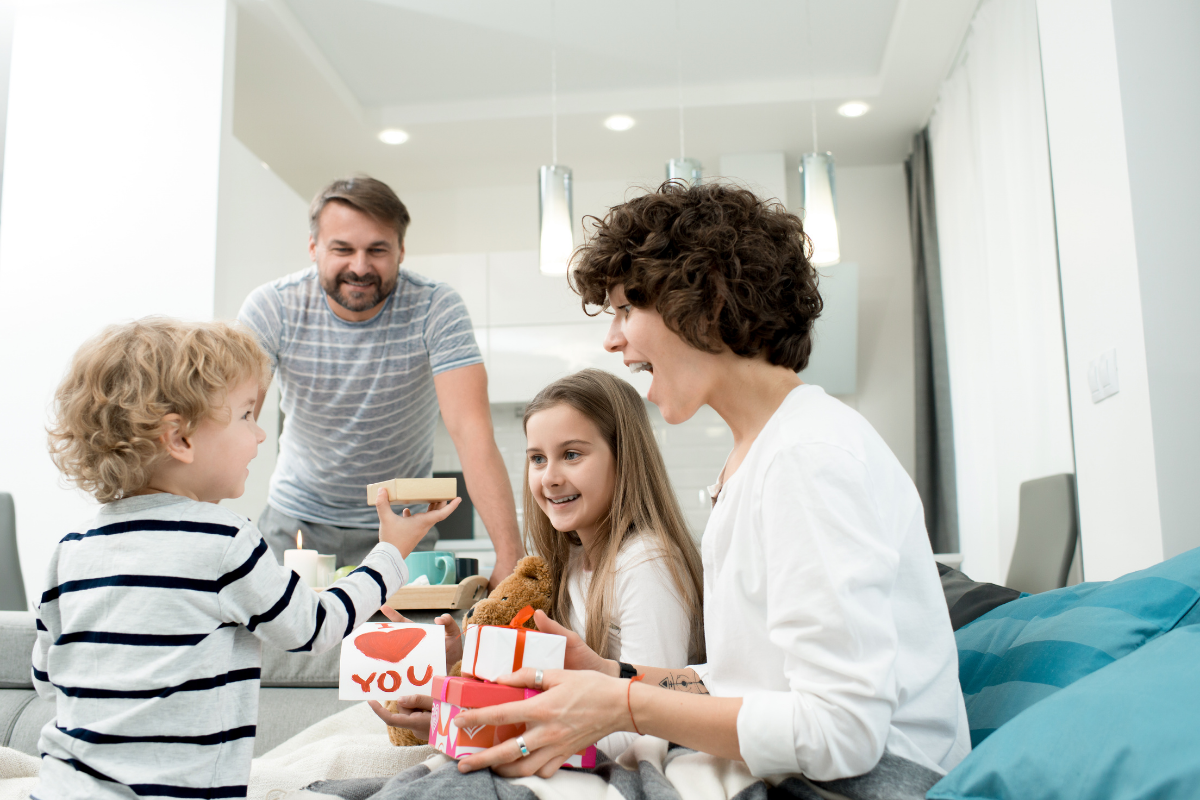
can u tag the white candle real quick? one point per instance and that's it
(302, 562)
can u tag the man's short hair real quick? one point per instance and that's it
(362, 193)
(721, 266)
(109, 408)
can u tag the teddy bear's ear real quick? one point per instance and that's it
(533, 567)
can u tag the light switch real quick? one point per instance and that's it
(1102, 376)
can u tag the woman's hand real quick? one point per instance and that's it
(579, 655)
(577, 709)
(414, 714)
(406, 530)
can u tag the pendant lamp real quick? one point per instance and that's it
(685, 169)
(556, 228)
(818, 198)
(556, 234)
(818, 190)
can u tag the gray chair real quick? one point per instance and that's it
(12, 587)
(1047, 535)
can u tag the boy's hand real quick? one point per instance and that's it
(406, 531)
(414, 714)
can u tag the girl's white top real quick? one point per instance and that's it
(649, 623)
(823, 607)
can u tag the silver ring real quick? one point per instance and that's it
(537, 679)
(521, 744)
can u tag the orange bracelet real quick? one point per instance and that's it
(629, 704)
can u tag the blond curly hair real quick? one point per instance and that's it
(109, 409)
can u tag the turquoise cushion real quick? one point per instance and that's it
(1024, 651)
(1127, 731)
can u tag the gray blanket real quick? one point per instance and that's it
(643, 773)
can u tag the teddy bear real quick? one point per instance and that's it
(528, 585)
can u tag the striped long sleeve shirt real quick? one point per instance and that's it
(150, 643)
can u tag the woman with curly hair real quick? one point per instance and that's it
(828, 639)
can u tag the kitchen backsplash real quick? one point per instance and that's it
(694, 452)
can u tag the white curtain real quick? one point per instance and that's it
(995, 218)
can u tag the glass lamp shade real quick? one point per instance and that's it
(818, 198)
(685, 169)
(556, 239)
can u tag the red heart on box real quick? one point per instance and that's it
(389, 645)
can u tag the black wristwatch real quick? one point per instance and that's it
(627, 670)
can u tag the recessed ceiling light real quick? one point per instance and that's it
(854, 108)
(619, 122)
(393, 136)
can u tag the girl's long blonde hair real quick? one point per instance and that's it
(643, 504)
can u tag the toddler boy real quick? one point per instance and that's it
(150, 630)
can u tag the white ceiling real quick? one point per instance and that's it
(470, 81)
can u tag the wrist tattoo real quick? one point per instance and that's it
(682, 682)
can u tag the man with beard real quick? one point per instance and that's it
(367, 354)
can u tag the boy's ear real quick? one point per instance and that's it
(177, 445)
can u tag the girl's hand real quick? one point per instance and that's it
(454, 646)
(579, 655)
(406, 530)
(577, 708)
(414, 714)
(453, 634)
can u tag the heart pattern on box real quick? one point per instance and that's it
(472, 731)
(391, 646)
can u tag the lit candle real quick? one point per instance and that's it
(302, 562)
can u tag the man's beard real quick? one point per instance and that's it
(368, 296)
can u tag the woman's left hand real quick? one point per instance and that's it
(577, 709)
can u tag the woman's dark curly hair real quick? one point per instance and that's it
(721, 266)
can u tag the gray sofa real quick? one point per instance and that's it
(297, 690)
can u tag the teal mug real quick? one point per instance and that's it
(437, 565)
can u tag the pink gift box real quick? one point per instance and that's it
(445, 734)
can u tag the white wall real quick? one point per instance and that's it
(262, 234)
(1116, 472)
(109, 209)
(1158, 65)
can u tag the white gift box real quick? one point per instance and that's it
(490, 651)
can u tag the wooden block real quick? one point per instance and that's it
(415, 490)
(464, 595)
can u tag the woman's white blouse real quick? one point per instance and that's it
(823, 607)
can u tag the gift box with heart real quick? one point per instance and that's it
(452, 695)
(384, 660)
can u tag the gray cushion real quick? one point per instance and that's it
(22, 716)
(282, 713)
(281, 668)
(17, 635)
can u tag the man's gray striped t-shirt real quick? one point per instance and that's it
(358, 397)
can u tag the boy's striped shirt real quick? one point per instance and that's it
(150, 643)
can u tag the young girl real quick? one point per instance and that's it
(600, 510)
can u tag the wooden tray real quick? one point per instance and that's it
(463, 595)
